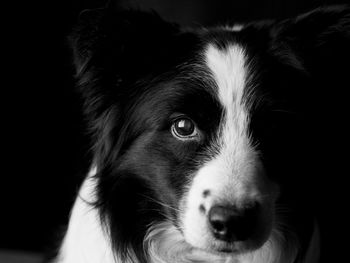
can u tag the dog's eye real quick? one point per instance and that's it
(184, 128)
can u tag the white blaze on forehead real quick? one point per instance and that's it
(229, 71)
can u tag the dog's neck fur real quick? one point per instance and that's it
(87, 241)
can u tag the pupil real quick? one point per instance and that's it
(184, 127)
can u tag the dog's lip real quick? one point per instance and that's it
(223, 250)
(230, 249)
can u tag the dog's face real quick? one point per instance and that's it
(200, 129)
(196, 152)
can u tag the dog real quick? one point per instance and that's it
(205, 141)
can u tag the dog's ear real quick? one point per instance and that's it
(103, 35)
(317, 38)
(112, 51)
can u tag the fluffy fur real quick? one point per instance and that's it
(254, 95)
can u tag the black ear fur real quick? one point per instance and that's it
(104, 32)
(112, 50)
(320, 40)
(318, 37)
(317, 44)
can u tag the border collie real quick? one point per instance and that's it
(206, 141)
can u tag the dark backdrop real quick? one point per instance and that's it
(43, 145)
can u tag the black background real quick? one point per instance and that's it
(43, 146)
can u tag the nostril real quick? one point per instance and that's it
(219, 226)
(221, 219)
(231, 224)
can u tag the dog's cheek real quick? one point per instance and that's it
(166, 163)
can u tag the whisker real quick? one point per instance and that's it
(161, 203)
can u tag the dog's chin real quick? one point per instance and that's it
(218, 247)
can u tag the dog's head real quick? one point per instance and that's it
(201, 129)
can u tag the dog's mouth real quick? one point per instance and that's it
(234, 247)
(215, 246)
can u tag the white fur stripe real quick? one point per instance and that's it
(228, 69)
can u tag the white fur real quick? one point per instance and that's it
(85, 241)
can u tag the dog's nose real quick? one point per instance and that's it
(229, 223)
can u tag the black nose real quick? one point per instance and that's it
(231, 224)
